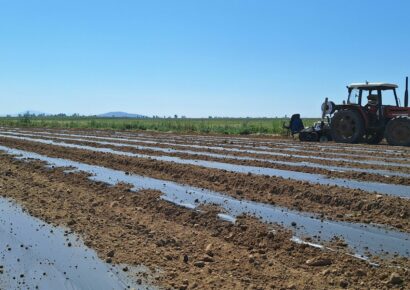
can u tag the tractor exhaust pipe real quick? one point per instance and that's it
(406, 93)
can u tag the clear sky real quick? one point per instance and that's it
(196, 57)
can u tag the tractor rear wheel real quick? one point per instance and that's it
(398, 131)
(347, 126)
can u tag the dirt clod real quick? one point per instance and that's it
(207, 259)
(111, 253)
(395, 279)
(199, 264)
(343, 284)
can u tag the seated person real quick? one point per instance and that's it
(295, 124)
(372, 100)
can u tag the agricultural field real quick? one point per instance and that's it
(243, 126)
(146, 210)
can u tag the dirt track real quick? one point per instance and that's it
(244, 254)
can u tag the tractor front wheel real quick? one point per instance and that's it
(398, 131)
(347, 126)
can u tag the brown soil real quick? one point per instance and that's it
(236, 141)
(189, 249)
(364, 176)
(330, 201)
(184, 145)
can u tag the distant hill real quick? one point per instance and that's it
(121, 115)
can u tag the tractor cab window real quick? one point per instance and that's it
(353, 97)
(388, 98)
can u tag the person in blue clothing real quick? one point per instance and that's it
(295, 124)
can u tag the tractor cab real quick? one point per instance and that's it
(372, 111)
(370, 91)
(377, 99)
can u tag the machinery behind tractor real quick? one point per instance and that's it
(353, 121)
(320, 131)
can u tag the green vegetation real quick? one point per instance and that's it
(242, 126)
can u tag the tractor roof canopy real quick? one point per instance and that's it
(372, 86)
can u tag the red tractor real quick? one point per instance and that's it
(354, 122)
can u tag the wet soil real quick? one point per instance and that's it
(187, 249)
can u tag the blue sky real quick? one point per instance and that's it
(196, 57)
